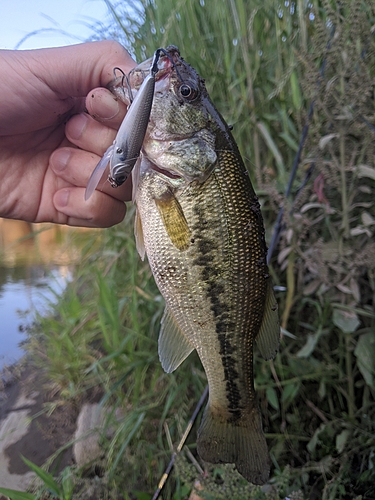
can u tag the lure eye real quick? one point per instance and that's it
(187, 92)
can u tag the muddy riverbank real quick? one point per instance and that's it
(28, 429)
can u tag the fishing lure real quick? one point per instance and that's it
(125, 150)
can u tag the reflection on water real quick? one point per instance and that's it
(22, 243)
(35, 264)
(21, 294)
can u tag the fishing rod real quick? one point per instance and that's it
(180, 444)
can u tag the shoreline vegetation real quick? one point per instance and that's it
(265, 65)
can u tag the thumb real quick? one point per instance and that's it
(79, 68)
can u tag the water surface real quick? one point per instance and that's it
(23, 291)
(35, 263)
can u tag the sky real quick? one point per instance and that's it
(22, 17)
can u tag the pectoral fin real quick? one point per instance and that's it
(268, 338)
(174, 347)
(174, 221)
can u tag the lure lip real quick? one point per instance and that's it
(97, 173)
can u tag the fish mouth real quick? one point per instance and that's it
(124, 85)
(139, 73)
(166, 173)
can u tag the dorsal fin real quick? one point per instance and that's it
(268, 337)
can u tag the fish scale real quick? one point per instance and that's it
(199, 221)
(239, 319)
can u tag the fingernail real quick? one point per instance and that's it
(77, 125)
(62, 198)
(60, 160)
(104, 105)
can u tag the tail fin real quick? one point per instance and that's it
(240, 442)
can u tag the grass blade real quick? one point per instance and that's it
(46, 477)
(16, 495)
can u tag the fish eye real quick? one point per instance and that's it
(187, 92)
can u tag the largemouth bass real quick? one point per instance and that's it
(199, 221)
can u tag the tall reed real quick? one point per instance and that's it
(265, 64)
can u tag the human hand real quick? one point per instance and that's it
(46, 160)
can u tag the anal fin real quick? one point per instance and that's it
(174, 347)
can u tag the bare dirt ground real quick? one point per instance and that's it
(27, 430)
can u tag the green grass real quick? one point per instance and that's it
(102, 340)
(263, 63)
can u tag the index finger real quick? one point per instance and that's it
(102, 105)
